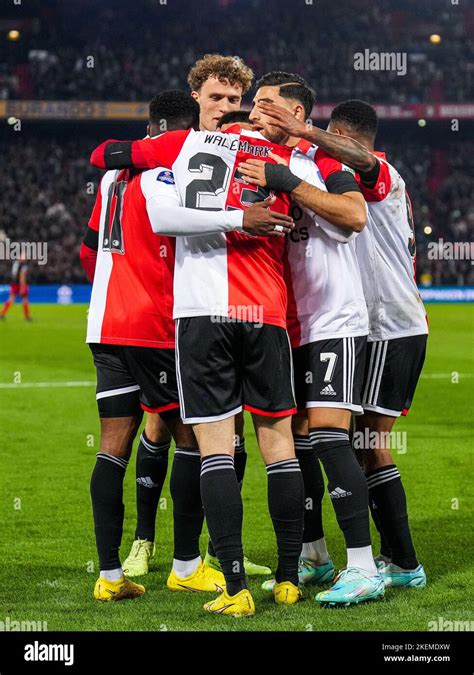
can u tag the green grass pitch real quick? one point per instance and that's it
(47, 549)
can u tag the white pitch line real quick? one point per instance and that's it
(91, 383)
(45, 385)
(445, 376)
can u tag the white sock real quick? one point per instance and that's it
(184, 568)
(316, 551)
(112, 575)
(363, 558)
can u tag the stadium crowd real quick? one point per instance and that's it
(48, 196)
(49, 66)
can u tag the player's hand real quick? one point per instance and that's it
(277, 159)
(260, 221)
(253, 171)
(282, 118)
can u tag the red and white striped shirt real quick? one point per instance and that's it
(229, 274)
(132, 293)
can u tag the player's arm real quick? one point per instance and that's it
(168, 217)
(345, 209)
(376, 183)
(342, 205)
(90, 242)
(343, 148)
(147, 153)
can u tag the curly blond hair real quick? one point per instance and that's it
(230, 68)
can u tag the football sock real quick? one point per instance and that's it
(387, 492)
(313, 488)
(222, 504)
(188, 515)
(315, 551)
(151, 468)
(6, 307)
(286, 506)
(112, 575)
(362, 557)
(184, 568)
(108, 509)
(240, 461)
(347, 486)
(384, 545)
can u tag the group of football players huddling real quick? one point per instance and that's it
(251, 261)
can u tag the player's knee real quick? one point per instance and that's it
(326, 418)
(184, 436)
(156, 429)
(376, 459)
(275, 438)
(299, 425)
(118, 434)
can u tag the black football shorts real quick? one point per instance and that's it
(224, 366)
(329, 373)
(392, 371)
(133, 379)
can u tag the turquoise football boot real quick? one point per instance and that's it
(353, 585)
(396, 577)
(309, 574)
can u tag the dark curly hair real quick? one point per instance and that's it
(358, 115)
(176, 108)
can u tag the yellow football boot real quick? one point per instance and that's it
(203, 580)
(141, 553)
(286, 593)
(111, 591)
(238, 605)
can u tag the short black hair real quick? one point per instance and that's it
(174, 109)
(358, 115)
(233, 117)
(291, 86)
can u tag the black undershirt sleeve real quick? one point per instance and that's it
(118, 155)
(369, 178)
(91, 238)
(341, 181)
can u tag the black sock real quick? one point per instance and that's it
(387, 493)
(346, 484)
(151, 468)
(188, 515)
(240, 461)
(384, 545)
(222, 504)
(313, 488)
(286, 506)
(108, 509)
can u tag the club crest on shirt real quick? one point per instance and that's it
(166, 177)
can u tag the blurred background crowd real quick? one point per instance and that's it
(45, 176)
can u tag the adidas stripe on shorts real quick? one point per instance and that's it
(392, 371)
(329, 373)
